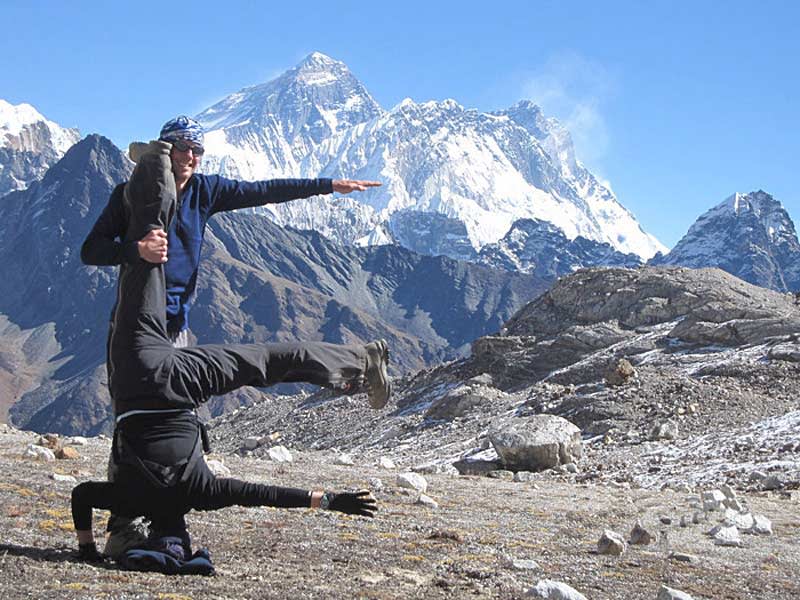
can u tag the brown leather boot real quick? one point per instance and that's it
(379, 386)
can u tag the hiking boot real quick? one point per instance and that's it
(379, 386)
(126, 534)
(150, 195)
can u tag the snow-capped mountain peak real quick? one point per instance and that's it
(29, 145)
(481, 170)
(748, 235)
(17, 121)
(266, 130)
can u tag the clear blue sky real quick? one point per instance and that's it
(677, 104)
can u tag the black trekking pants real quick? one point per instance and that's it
(148, 372)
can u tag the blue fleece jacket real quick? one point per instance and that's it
(203, 196)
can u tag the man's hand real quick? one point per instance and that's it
(153, 246)
(345, 186)
(361, 503)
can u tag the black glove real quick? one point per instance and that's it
(352, 503)
(88, 553)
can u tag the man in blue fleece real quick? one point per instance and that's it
(179, 247)
(199, 197)
(158, 439)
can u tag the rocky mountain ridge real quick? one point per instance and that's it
(482, 170)
(258, 282)
(707, 352)
(748, 235)
(29, 145)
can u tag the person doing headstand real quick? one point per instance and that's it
(155, 388)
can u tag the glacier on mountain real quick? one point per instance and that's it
(485, 170)
(29, 145)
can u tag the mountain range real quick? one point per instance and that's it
(29, 145)
(748, 235)
(259, 283)
(477, 173)
(418, 262)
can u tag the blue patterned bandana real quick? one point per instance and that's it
(182, 128)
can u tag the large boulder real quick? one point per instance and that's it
(535, 443)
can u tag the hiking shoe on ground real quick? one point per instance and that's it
(379, 386)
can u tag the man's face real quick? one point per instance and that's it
(184, 162)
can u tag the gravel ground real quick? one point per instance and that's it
(465, 548)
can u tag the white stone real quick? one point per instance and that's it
(610, 543)
(734, 504)
(664, 431)
(63, 478)
(386, 463)
(218, 468)
(738, 519)
(713, 500)
(524, 565)
(427, 468)
(668, 593)
(427, 501)
(39, 453)
(343, 459)
(761, 525)
(375, 483)
(280, 454)
(554, 590)
(413, 481)
(683, 557)
(535, 443)
(77, 441)
(725, 535)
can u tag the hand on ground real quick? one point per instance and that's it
(361, 503)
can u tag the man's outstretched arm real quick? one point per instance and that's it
(231, 195)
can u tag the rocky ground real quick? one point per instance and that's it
(683, 384)
(488, 538)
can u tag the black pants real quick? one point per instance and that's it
(149, 373)
(157, 478)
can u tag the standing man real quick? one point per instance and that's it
(199, 197)
(178, 247)
(157, 439)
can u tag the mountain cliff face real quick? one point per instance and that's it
(454, 174)
(748, 235)
(58, 308)
(258, 283)
(538, 247)
(29, 145)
